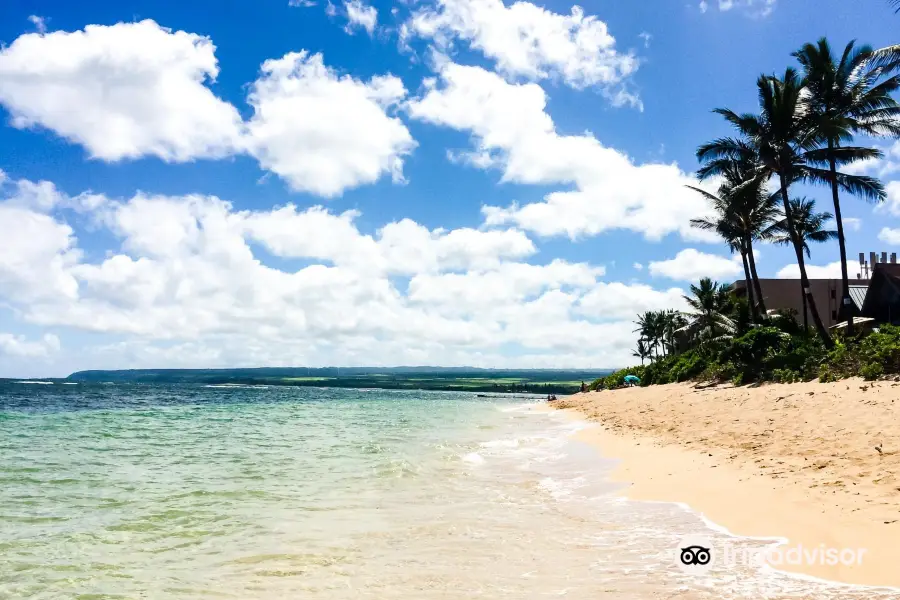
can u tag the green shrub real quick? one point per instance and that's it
(785, 376)
(751, 353)
(826, 375)
(688, 366)
(871, 371)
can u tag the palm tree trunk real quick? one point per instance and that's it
(748, 280)
(756, 284)
(805, 310)
(845, 278)
(804, 280)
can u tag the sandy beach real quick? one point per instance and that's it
(815, 463)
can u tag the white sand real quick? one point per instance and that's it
(796, 461)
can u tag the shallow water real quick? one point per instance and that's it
(127, 491)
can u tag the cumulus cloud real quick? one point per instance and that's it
(891, 205)
(623, 301)
(527, 41)
(512, 131)
(829, 271)
(19, 346)
(691, 265)
(323, 132)
(139, 89)
(890, 236)
(360, 14)
(184, 284)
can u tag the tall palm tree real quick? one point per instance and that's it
(809, 226)
(844, 98)
(743, 211)
(642, 351)
(783, 138)
(709, 301)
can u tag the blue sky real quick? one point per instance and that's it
(460, 183)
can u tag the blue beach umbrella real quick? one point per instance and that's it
(632, 380)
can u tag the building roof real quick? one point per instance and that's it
(889, 269)
(858, 294)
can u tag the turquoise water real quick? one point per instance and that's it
(118, 491)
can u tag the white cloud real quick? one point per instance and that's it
(140, 91)
(528, 41)
(852, 223)
(36, 256)
(880, 167)
(754, 8)
(301, 3)
(622, 301)
(646, 37)
(891, 205)
(638, 266)
(322, 132)
(360, 14)
(138, 88)
(829, 271)
(184, 286)
(40, 23)
(692, 265)
(890, 236)
(512, 130)
(18, 346)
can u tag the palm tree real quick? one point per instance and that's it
(809, 226)
(643, 351)
(743, 210)
(709, 302)
(846, 98)
(648, 329)
(672, 322)
(784, 140)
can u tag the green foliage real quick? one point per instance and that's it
(752, 352)
(826, 375)
(871, 371)
(617, 379)
(785, 376)
(771, 354)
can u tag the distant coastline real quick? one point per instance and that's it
(458, 379)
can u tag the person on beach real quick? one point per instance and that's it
(583, 387)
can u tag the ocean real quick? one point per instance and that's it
(184, 492)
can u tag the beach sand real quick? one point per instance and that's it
(797, 461)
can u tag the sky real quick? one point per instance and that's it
(315, 183)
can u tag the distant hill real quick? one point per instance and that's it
(428, 378)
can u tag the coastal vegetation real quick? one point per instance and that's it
(803, 134)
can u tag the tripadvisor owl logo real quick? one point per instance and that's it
(698, 554)
(695, 554)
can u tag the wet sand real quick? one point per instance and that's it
(818, 464)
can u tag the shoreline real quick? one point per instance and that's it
(800, 483)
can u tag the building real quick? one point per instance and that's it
(785, 294)
(882, 300)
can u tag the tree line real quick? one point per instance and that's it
(804, 132)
